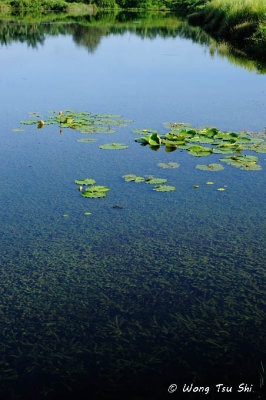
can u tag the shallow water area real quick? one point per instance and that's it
(151, 288)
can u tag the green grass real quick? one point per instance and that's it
(241, 21)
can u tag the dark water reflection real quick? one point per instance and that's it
(170, 288)
(88, 31)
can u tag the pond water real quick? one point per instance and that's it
(167, 288)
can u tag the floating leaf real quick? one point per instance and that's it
(87, 181)
(221, 189)
(86, 140)
(144, 131)
(133, 178)
(210, 167)
(155, 140)
(17, 130)
(209, 183)
(200, 153)
(173, 144)
(28, 122)
(87, 213)
(156, 181)
(97, 188)
(164, 188)
(113, 146)
(199, 139)
(94, 195)
(168, 165)
(251, 167)
(143, 139)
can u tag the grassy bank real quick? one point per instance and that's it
(235, 21)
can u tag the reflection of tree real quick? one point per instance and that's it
(88, 31)
(88, 36)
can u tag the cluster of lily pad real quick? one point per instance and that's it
(182, 136)
(158, 182)
(84, 122)
(92, 191)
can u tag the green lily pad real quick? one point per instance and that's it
(251, 167)
(94, 195)
(87, 213)
(17, 130)
(143, 140)
(155, 140)
(28, 122)
(210, 167)
(144, 131)
(164, 188)
(170, 125)
(156, 181)
(133, 178)
(113, 146)
(87, 181)
(200, 153)
(171, 143)
(86, 140)
(168, 165)
(97, 188)
(198, 139)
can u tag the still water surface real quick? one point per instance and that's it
(170, 288)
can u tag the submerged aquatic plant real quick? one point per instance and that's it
(168, 165)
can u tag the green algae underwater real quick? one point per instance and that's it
(164, 288)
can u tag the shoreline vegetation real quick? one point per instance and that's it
(241, 23)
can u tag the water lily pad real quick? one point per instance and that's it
(209, 183)
(200, 153)
(17, 130)
(133, 178)
(168, 165)
(156, 181)
(164, 188)
(28, 122)
(87, 213)
(198, 139)
(243, 162)
(94, 195)
(155, 140)
(221, 189)
(143, 139)
(97, 188)
(87, 181)
(251, 167)
(210, 167)
(172, 144)
(86, 140)
(113, 146)
(144, 131)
